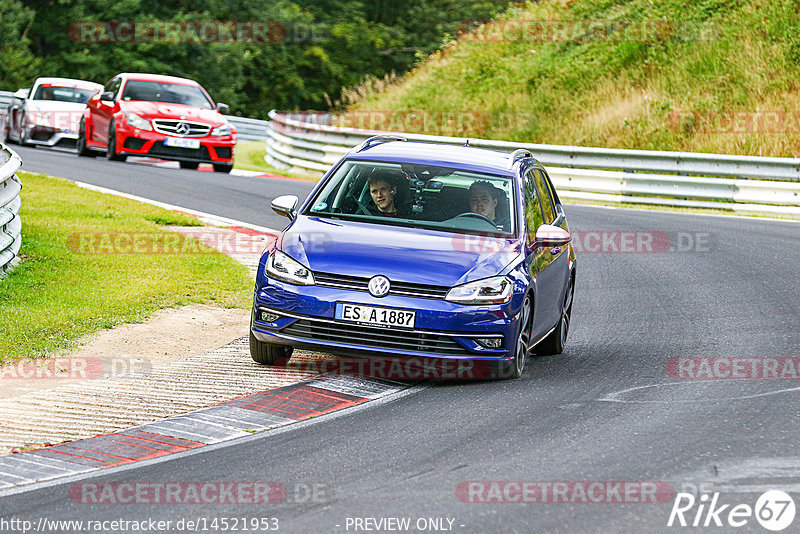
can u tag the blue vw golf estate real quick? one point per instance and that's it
(420, 250)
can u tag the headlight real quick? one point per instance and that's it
(225, 129)
(281, 267)
(496, 290)
(137, 122)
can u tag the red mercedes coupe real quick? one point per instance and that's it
(157, 116)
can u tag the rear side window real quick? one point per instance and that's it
(546, 198)
(551, 189)
(533, 210)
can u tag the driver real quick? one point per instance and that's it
(483, 199)
(383, 190)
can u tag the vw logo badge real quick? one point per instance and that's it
(379, 286)
(182, 128)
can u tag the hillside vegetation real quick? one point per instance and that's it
(251, 54)
(707, 76)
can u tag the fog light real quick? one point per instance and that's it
(490, 342)
(269, 317)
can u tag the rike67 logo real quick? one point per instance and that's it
(774, 510)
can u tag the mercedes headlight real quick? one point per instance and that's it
(137, 122)
(495, 290)
(219, 131)
(282, 267)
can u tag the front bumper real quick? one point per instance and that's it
(49, 136)
(442, 329)
(135, 142)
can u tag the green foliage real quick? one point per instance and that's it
(321, 46)
(627, 85)
(17, 63)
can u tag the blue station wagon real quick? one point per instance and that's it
(420, 250)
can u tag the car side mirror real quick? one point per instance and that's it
(107, 96)
(223, 108)
(285, 205)
(22, 94)
(548, 235)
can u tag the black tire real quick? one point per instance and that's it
(523, 341)
(111, 149)
(555, 341)
(188, 164)
(222, 167)
(83, 150)
(269, 354)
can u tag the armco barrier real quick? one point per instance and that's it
(249, 129)
(745, 184)
(10, 223)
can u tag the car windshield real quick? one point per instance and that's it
(63, 94)
(422, 196)
(174, 93)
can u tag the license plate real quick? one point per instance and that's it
(182, 142)
(375, 316)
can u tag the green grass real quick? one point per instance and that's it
(56, 295)
(704, 56)
(249, 156)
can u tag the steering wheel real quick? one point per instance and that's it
(473, 215)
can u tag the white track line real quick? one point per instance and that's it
(215, 220)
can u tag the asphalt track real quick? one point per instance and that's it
(605, 410)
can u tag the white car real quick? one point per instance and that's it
(48, 113)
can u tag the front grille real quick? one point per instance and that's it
(223, 152)
(67, 142)
(380, 338)
(397, 288)
(198, 154)
(42, 134)
(196, 129)
(133, 143)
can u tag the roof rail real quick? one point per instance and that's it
(518, 154)
(378, 139)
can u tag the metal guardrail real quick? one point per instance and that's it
(10, 223)
(745, 184)
(249, 129)
(5, 98)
